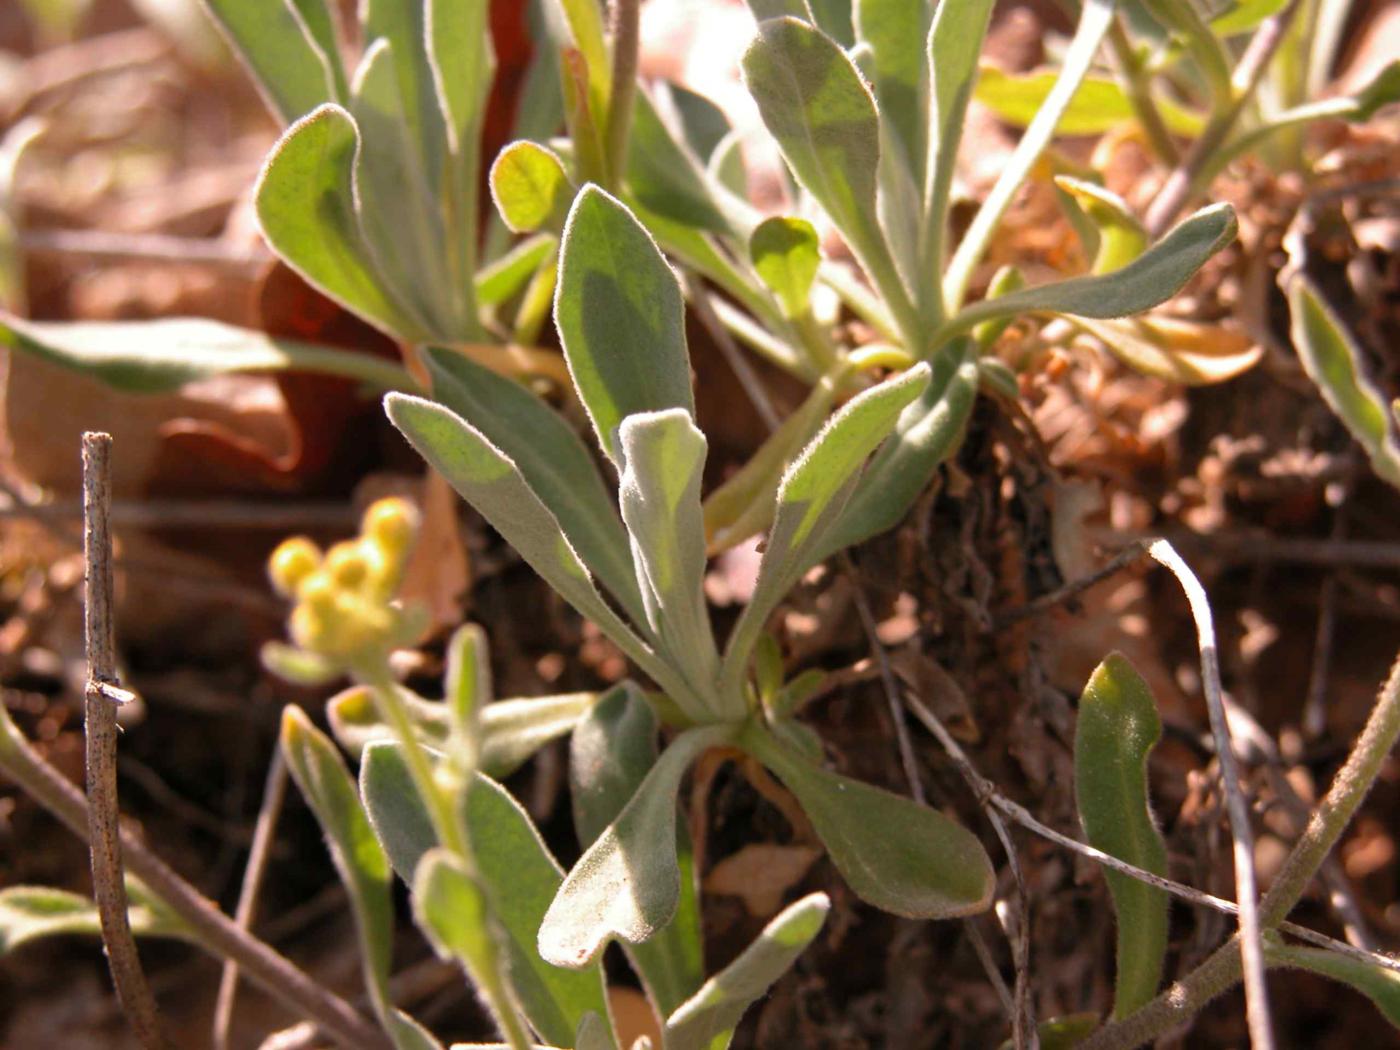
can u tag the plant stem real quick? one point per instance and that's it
(100, 741)
(274, 793)
(374, 673)
(1223, 968)
(1184, 181)
(625, 48)
(216, 932)
(1137, 86)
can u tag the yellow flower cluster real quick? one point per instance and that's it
(344, 597)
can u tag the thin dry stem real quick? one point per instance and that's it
(1242, 835)
(100, 731)
(274, 793)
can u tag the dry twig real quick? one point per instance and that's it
(100, 733)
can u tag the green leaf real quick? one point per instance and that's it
(305, 206)
(505, 277)
(786, 255)
(816, 104)
(709, 1017)
(551, 459)
(1149, 280)
(627, 884)
(1062, 1033)
(405, 27)
(1333, 362)
(954, 42)
(462, 66)
(325, 783)
(1097, 107)
(1095, 18)
(746, 502)
(1121, 237)
(511, 731)
(1382, 90)
(664, 177)
(293, 69)
(31, 913)
(157, 357)
(896, 32)
(610, 754)
(662, 455)
(619, 314)
(1157, 347)
(1244, 16)
(400, 820)
(926, 434)
(900, 856)
(400, 217)
(492, 483)
(811, 497)
(530, 187)
(521, 878)
(1380, 985)
(1117, 728)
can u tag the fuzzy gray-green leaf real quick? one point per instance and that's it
(295, 71)
(1333, 361)
(786, 255)
(305, 206)
(811, 498)
(521, 877)
(927, 433)
(627, 884)
(1380, 985)
(530, 187)
(610, 753)
(1117, 728)
(896, 32)
(708, 1019)
(325, 783)
(1149, 280)
(663, 457)
(815, 103)
(620, 316)
(157, 357)
(31, 913)
(902, 857)
(552, 460)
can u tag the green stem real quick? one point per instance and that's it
(625, 47)
(1137, 86)
(537, 300)
(391, 707)
(1220, 972)
(1181, 17)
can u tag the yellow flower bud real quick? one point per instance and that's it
(308, 627)
(292, 562)
(318, 591)
(347, 565)
(391, 524)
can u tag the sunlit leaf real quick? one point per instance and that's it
(294, 69)
(1149, 280)
(664, 176)
(530, 187)
(610, 754)
(1180, 351)
(786, 254)
(305, 206)
(1117, 728)
(1121, 236)
(1333, 361)
(933, 868)
(627, 884)
(709, 1017)
(1098, 106)
(620, 316)
(157, 357)
(1380, 985)
(896, 32)
(31, 913)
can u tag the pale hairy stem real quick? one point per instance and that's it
(626, 44)
(214, 931)
(100, 742)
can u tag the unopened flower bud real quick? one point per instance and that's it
(391, 524)
(347, 565)
(292, 562)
